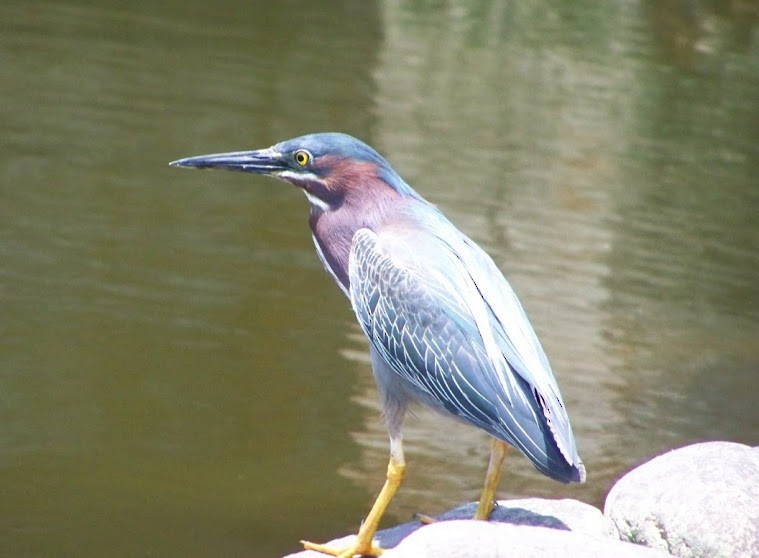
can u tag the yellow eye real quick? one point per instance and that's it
(302, 157)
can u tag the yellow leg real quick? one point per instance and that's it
(487, 499)
(363, 545)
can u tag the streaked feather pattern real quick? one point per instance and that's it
(445, 327)
(443, 317)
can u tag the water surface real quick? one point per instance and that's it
(178, 376)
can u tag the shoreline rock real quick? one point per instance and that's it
(692, 502)
(700, 501)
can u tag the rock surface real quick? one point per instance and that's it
(697, 501)
(525, 528)
(467, 538)
(694, 502)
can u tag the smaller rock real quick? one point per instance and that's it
(526, 528)
(467, 538)
(576, 516)
(697, 501)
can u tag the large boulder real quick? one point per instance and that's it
(697, 501)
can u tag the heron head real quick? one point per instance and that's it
(328, 167)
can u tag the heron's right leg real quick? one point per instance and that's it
(394, 403)
(364, 545)
(487, 499)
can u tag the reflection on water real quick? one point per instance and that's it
(179, 376)
(625, 229)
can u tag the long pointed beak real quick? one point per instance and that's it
(262, 161)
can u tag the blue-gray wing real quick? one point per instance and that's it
(457, 334)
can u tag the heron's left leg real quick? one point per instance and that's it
(487, 499)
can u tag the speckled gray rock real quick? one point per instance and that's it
(576, 516)
(467, 538)
(529, 527)
(697, 501)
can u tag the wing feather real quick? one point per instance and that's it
(445, 319)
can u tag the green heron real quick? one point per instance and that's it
(444, 326)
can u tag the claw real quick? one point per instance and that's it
(425, 519)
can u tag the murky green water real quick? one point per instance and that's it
(179, 377)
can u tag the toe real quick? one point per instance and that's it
(346, 552)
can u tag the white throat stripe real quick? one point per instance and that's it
(313, 200)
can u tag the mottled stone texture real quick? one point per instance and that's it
(526, 528)
(697, 501)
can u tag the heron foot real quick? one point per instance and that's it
(425, 519)
(356, 549)
(364, 545)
